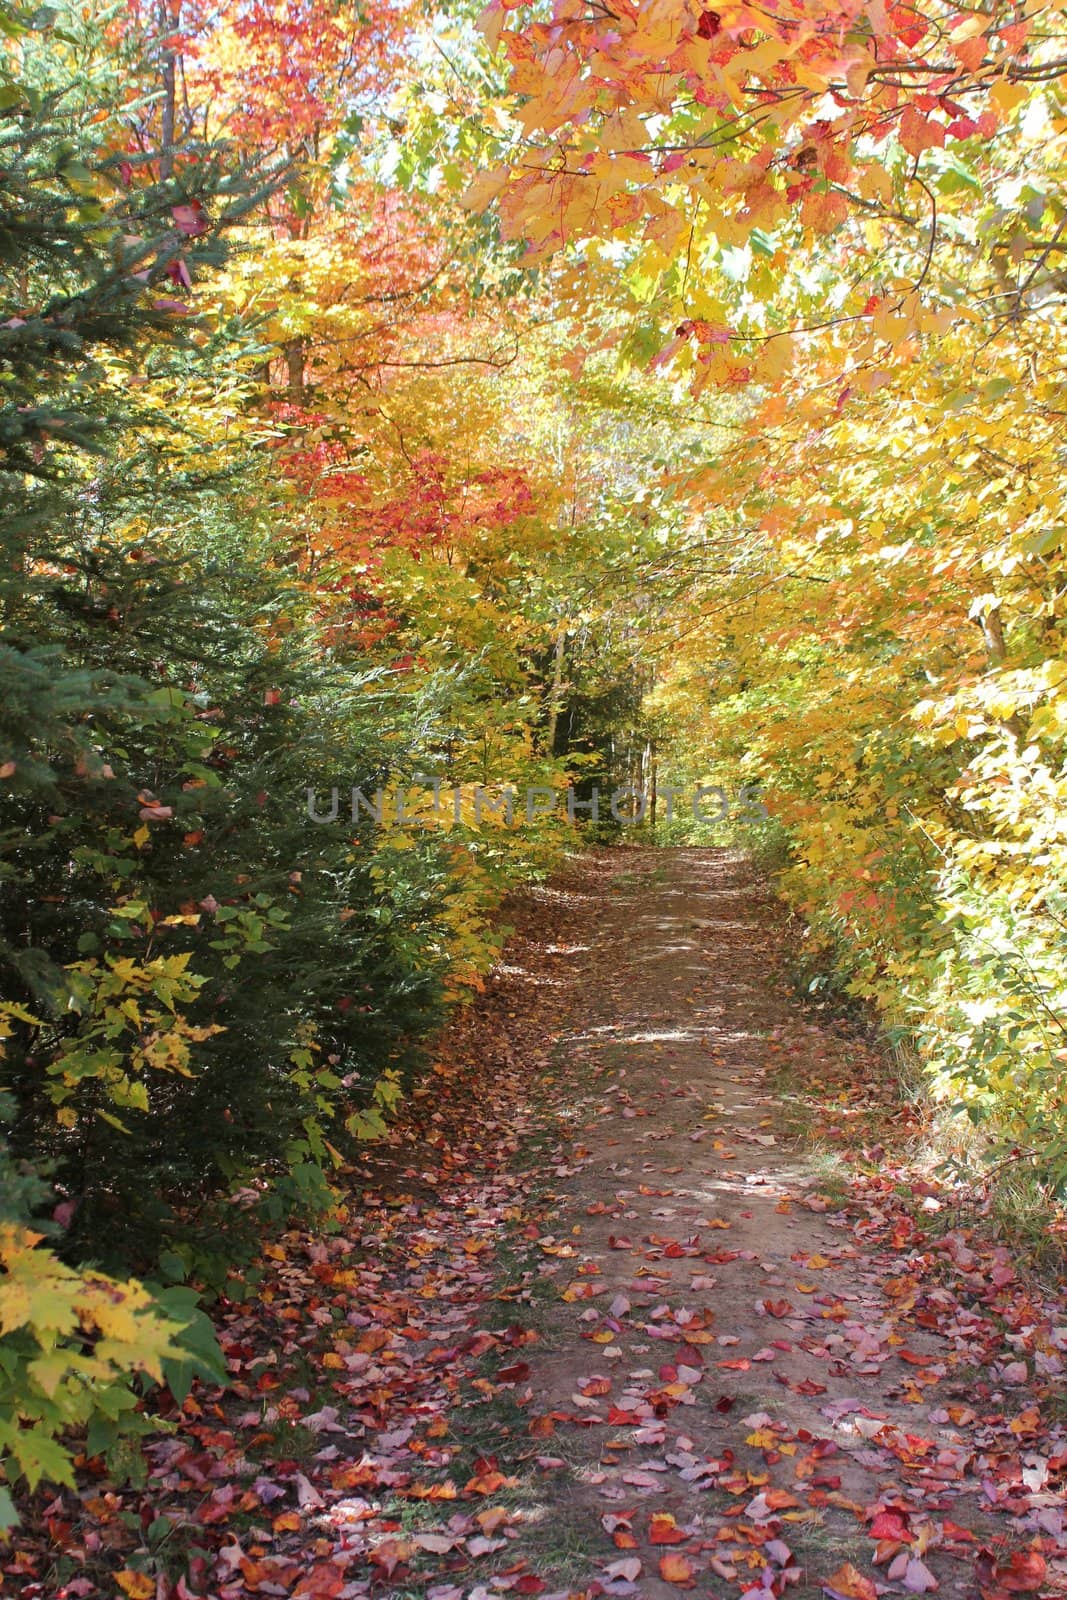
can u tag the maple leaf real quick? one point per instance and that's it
(919, 133)
(1024, 1573)
(849, 1584)
(137, 1585)
(664, 1530)
(677, 1570)
(323, 1581)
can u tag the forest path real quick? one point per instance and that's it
(744, 1388)
(600, 1317)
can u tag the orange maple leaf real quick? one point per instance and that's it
(676, 1569)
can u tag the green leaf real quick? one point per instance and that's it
(40, 1456)
(9, 1517)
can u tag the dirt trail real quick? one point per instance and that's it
(743, 1388)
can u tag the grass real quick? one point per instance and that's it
(284, 1440)
(819, 1549)
(557, 1539)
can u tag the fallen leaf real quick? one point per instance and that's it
(664, 1530)
(676, 1569)
(138, 1585)
(850, 1583)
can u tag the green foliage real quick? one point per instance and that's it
(72, 1345)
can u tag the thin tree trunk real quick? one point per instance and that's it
(294, 366)
(648, 780)
(554, 695)
(993, 634)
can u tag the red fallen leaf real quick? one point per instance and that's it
(541, 1427)
(777, 1308)
(955, 1534)
(780, 1499)
(676, 1569)
(664, 1530)
(618, 1418)
(595, 1386)
(851, 1584)
(984, 1564)
(390, 1553)
(516, 1373)
(886, 1550)
(488, 1483)
(623, 1539)
(376, 1339)
(1024, 1573)
(324, 1581)
(891, 1524)
(517, 1334)
(741, 1365)
(530, 1583)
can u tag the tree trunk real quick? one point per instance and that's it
(293, 353)
(554, 694)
